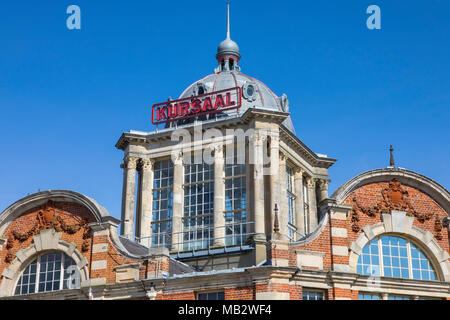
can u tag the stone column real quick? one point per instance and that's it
(281, 191)
(219, 198)
(144, 219)
(313, 221)
(128, 197)
(258, 185)
(299, 209)
(178, 201)
(323, 188)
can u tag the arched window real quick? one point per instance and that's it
(49, 272)
(396, 257)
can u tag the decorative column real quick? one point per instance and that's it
(258, 185)
(323, 189)
(144, 216)
(219, 198)
(281, 194)
(274, 172)
(313, 221)
(128, 196)
(299, 208)
(178, 201)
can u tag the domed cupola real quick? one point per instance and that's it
(228, 75)
(228, 51)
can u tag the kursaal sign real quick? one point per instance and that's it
(212, 102)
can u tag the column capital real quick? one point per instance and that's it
(299, 171)
(260, 136)
(283, 156)
(147, 164)
(274, 141)
(217, 149)
(130, 162)
(311, 182)
(323, 183)
(178, 157)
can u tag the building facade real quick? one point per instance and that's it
(224, 201)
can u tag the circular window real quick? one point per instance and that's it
(249, 91)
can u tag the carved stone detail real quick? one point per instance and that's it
(311, 182)
(131, 162)
(147, 164)
(47, 217)
(438, 227)
(323, 184)
(394, 198)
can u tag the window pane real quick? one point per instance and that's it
(49, 276)
(313, 295)
(368, 296)
(211, 296)
(162, 204)
(397, 261)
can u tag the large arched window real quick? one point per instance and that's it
(49, 272)
(391, 256)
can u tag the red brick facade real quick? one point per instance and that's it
(322, 261)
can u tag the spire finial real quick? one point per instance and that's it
(391, 162)
(228, 20)
(228, 51)
(276, 224)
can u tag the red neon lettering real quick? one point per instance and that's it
(184, 109)
(196, 105)
(161, 113)
(207, 105)
(228, 99)
(219, 102)
(193, 106)
(172, 111)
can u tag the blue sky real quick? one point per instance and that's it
(67, 95)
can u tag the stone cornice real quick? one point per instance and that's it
(303, 149)
(139, 138)
(247, 277)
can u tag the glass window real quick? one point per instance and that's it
(313, 294)
(292, 229)
(399, 297)
(211, 296)
(396, 257)
(235, 200)
(49, 272)
(198, 205)
(305, 207)
(369, 296)
(162, 202)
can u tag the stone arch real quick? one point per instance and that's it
(406, 177)
(399, 224)
(46, 241)
(99, 213)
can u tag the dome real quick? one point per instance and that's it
(228, 75)
(228, 47)
(255, 94)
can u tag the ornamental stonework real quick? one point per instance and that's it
(391, 196)
(48, 216)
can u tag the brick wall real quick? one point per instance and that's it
(371, 194)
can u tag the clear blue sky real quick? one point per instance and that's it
(67, 95)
